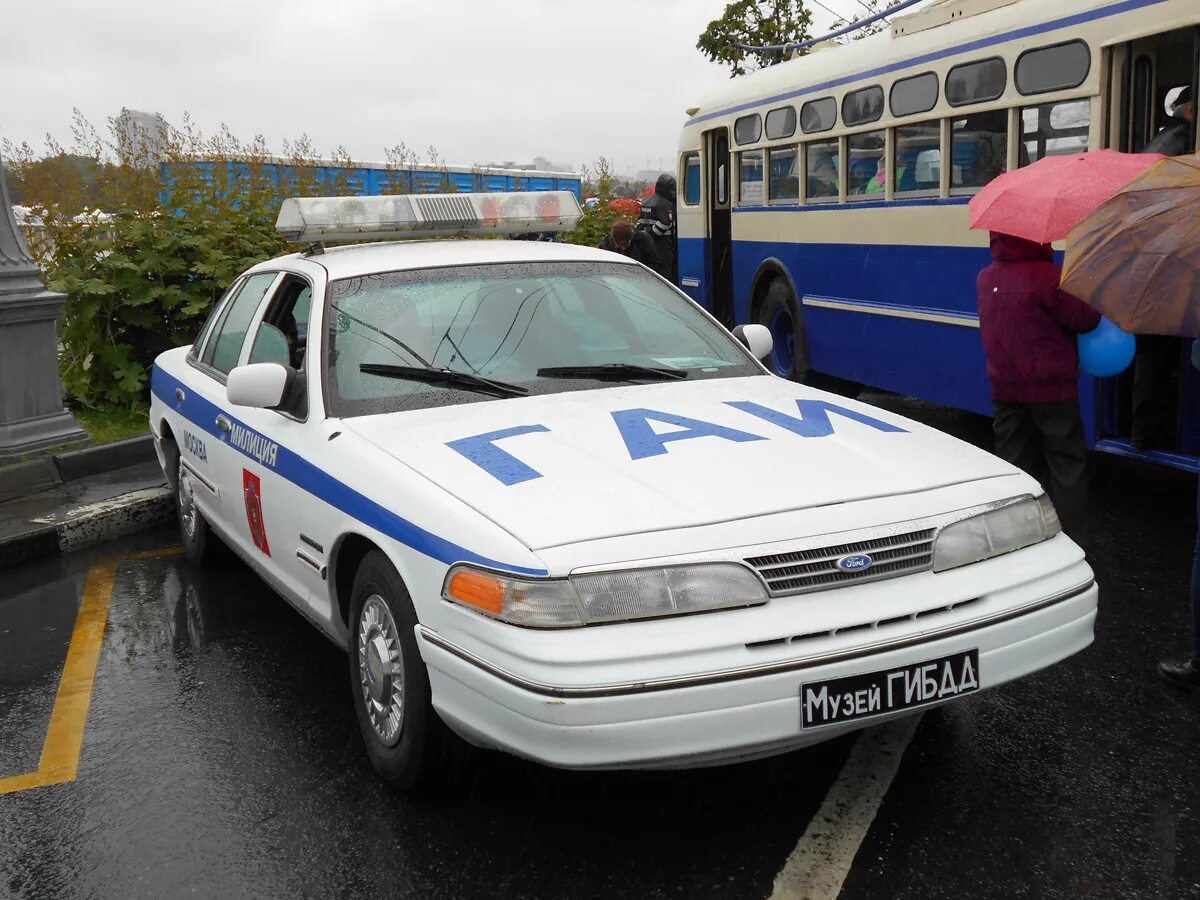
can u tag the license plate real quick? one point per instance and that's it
(889, 690)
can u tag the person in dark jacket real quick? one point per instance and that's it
(637, 245)
(1028, 328)
(1176, 140)
(657, 219)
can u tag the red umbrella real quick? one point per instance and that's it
(1044, 201)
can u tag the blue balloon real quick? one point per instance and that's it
(1106, 350)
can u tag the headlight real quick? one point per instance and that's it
(606, 596)
(994, 533)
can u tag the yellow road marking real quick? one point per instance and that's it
(154, 554)
(68, 720)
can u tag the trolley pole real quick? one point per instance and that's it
(32, 415)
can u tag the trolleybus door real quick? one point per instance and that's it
(719, 226)
(1140, 74)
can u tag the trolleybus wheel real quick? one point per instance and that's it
(781, 314)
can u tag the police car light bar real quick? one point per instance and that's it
(312, 219)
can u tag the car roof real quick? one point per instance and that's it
(390, 256)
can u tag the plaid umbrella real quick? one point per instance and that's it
(1137, 257)
(1044, 201)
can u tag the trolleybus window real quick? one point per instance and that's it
(1056, 68)
(976, 82)
(918, 157)
(750, 178)
(910, 96)
(821, 166)
(1055, 129)
(781, 123)
(980, 149)
(818, 115)
(865, 172)
(862, 106)
(747, 129)
(691, 179)
(785, 177)
(721, 168)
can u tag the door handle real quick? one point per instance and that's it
(224, 424)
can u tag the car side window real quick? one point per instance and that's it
(282, 336)
(213, 315)
(225, 346)
(300, 311)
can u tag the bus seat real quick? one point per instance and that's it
(861, 173)
(917, 170)
(966, 160)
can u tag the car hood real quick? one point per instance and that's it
(576, 466)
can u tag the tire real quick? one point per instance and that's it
(199, 543)
(780, 313)
(404, 737)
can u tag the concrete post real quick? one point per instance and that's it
(32, 415)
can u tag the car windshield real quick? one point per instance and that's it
(541, 328)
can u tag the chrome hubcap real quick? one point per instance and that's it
(380, 669)
(187, 504)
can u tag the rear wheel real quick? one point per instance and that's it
(404, 736)
(781, 314)
(197, 538)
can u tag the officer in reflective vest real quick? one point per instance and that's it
(657, 218)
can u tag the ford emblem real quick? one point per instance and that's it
(855, 562)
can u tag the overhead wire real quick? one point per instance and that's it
(841, 18)
(838, 17)
(868, 8)
(899, 6)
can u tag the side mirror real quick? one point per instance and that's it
(259, 385)
(757, 339)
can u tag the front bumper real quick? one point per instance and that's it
(741, 712)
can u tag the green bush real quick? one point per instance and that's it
(598, 219)
(143, 279)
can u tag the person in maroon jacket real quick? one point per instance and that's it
(1028, 328)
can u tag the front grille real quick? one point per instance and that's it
(816, 569)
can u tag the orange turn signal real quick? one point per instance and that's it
(477, 589)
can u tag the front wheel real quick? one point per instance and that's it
(403, 735)
(781, 315)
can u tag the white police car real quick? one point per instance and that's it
(545, 500)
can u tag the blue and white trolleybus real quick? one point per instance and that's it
(826, 196)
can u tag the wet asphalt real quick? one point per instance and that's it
(222, 759)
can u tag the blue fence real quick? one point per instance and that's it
(371, 180)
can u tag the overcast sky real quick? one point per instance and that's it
(481, 80)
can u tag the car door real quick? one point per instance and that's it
(285, 522)
(208, 425)
(184, 419)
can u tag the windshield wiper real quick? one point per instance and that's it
(464, 380)
(614, 372)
